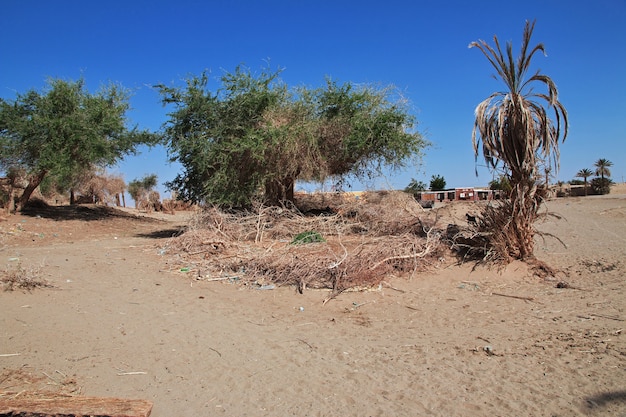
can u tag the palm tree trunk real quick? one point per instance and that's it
(525, 203)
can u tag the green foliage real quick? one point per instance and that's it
(576, 182)
(415, 187)
(437, 183)
(584, 174)
(501, 183)
(66, 131)
(602, 167)
(601, 185)
(307, 237)
(253, 137)
(139, 187)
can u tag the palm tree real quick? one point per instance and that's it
(602, 168)
(516, 130)
(584, 173)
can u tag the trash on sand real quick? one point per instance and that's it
(266, 287)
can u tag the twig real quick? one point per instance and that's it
(216, 351)
(305, 342)
(4, 355)
(132, 373)
(52, 379)
(345, 255)
(362, 304)
(425, 252)
(514, 296)
(219, 279)
(392, 287)
(606, 316)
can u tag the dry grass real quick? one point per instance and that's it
(55, 385)
(20, 278)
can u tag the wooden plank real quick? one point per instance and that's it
(75, 406)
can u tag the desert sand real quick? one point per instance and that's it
(122, 320)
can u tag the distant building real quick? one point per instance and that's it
(459, 194)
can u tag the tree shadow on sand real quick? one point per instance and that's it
(81, 212)
(163, 234)
(606, 399)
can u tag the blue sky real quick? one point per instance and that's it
(419, 46)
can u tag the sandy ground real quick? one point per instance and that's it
(122, 320)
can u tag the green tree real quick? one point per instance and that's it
(415, 187)
(601, 185)
(254, 137)
(515, 129)
(140, 188)
(602, 168)
(501, 183)
(584, 174)
(64, 132)
(437, 183)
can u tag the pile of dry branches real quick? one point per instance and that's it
(494, 234)
(365, 241)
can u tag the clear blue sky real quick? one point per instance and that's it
(419, 46)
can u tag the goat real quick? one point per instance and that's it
(471, 219)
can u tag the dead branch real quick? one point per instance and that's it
(514, 296)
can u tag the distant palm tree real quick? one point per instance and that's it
(602, 168)
(517, 131)
(584, 173)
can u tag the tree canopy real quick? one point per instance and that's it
(437, 183)
(254, 137)
(139, 188)
(584, 174)
(602, 166)
(415, 187)
(64, 132)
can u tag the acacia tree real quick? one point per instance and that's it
(139, 189)
(254, 137)
(65, 131)
(584, 174)
(514, 129)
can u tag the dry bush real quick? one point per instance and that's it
(172, 205)
(25, 279)
(492, 238)
(365, 242)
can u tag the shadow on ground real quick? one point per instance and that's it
(163, 234)
(606, 399)
(81, 212)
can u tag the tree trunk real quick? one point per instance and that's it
(279, 191)
(33, 183)
(525, 203)
(72, 197)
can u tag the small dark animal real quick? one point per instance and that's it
(320, 212)
(471, 219)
